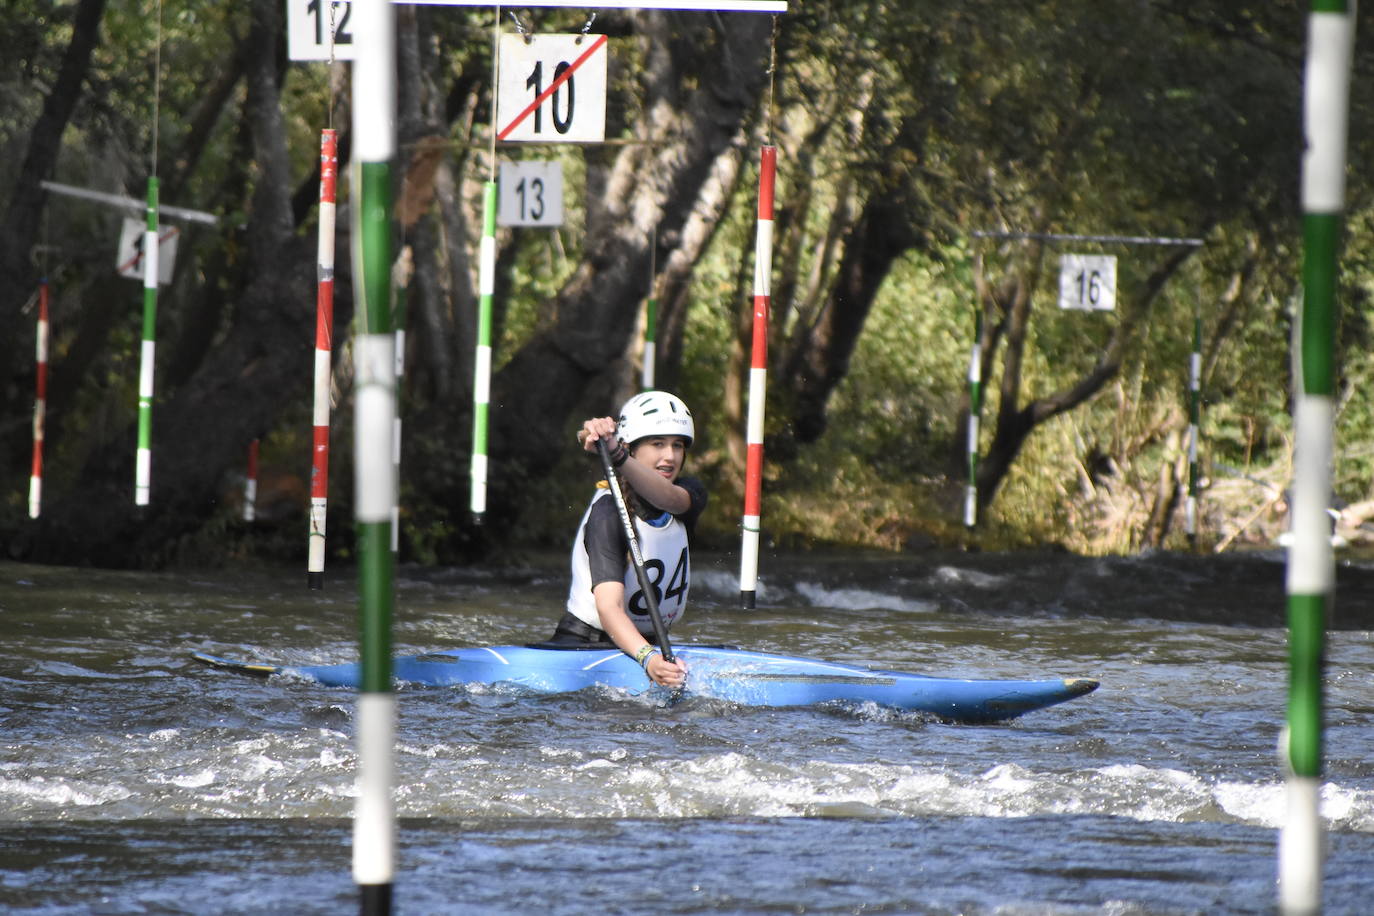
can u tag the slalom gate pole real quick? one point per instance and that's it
(40, 401)
(1311, 563)
(374, 137)
(324, 343)
(975, 416)
(250, 484)
(481, 370)
(143, 457)
(1194, 422)
(758, 378)
(143, 470)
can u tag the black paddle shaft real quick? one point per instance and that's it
(650, 596)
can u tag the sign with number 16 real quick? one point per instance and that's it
(1087, 282)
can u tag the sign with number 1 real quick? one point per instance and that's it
(552, 88)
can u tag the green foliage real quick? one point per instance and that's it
(544, 261)
(898, 404)
(1145, 119)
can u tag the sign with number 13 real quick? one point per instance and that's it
(531, 194)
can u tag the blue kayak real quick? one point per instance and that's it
(718, 672)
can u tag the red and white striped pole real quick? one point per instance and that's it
(324, 336)
(250, 484)
(758, 376)
(40, 402)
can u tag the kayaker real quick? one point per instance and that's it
(648, 448)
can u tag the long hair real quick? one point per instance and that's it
(634, 504)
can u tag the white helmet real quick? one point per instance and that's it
(655, 413)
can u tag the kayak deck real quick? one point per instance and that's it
(719, 672)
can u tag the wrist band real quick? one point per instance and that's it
(642, 656)
(619, 455)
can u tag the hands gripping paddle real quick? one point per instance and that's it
(650, 596)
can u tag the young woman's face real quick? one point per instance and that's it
(665, 454)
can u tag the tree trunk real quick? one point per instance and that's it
(18, 232)
(202, 431)
(1015, 422)
(735, 385)
(891, 222)
(677, 257)
(1164, 500)
(651, 191)
(819, 361)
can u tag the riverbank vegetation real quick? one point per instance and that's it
(930, 160)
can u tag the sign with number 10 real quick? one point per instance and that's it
(552, 88)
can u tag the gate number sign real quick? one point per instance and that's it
(1087, 282)
(307, 29)
(552, 88)
(531, 194)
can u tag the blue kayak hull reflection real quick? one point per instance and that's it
(717, 672)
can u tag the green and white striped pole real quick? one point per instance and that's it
(143, 465)
(975, 413)
(1194, 422)
(374, 138)
(1311, 564)
(481, 372)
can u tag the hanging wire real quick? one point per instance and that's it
(39, 257)
(519, 26)
(157, 83)
(495, 82)
(772, 69)
(588, 25)
(329, 115)
(46, 246)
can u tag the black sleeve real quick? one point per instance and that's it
(606, 544)
(697, 490)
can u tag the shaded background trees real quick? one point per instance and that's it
(902, 129)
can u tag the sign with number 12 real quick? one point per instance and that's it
(307, 29)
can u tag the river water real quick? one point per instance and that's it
(136, 780)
